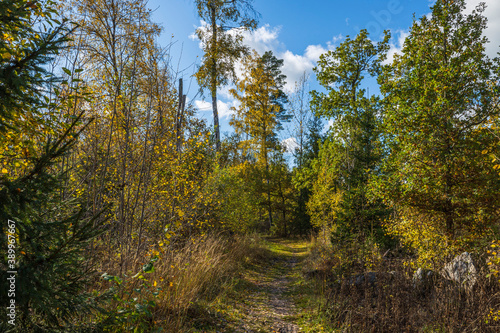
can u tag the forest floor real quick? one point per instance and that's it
(270, 295)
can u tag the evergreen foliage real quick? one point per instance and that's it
(51, 232)
(353, 149)
(261, 112)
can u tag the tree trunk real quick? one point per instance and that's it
(269, 210)
(216, 120)
(283, 202)
(213, 87)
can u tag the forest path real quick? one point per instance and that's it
(269, 305)
(266, 294)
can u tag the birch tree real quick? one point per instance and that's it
(223, 46)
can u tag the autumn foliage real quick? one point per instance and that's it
(135, 213)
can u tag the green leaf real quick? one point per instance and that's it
(148, 268)
(107, 277)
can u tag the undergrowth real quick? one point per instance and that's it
(170, 290)
(382, 296)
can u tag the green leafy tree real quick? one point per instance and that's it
(307, 130)
(304, 176)
(441, 95)
(23, 53)
(354, 138)
(240, 209)
(48, 232)
(222, 48)
(284, 196)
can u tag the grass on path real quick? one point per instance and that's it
(270, 294)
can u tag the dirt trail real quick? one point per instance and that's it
(268, 304)
(270, 295)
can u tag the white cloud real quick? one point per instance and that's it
(333, 43)
(223, 108)
(492, 12)
(290, 144)
(294, 66)
(203, 105)
(194, 36)
(224, 91)
(328, 125)
(265, 38)
(314, 51)
(396, 45)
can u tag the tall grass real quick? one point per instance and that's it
(169, 298)
(196, 271)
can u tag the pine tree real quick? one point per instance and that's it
(261, 113)
(48, 234)
(303, 176)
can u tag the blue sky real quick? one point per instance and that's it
(298, 32)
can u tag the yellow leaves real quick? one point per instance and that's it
(4, 171)
(494, 315)
(8, 37)
(494, 259)
(419, 232)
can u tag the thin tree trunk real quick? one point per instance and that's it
(269, 210)
(216, 121)
(213, 87)
(283, 202)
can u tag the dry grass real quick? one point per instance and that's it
(387, 299)
(394, 304)
(183, 280)
(197, 271)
